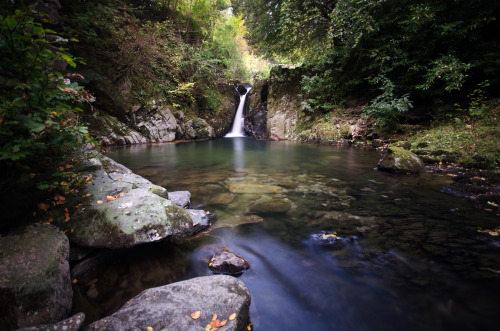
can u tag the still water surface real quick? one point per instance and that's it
(413, 259)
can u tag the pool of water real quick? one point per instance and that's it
(412, 257)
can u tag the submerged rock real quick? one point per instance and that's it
(222, 199)
(330, 240)
(124, 210)
(270, 205)
(73, 323)
(229, 223)
(225, 262)
(35, 278)
(170, 307)
(399, 160)
(247, 188)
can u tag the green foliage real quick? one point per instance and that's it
(39, 107)
(435, 51)
(387, 107)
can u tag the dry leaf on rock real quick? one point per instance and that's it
(195, 315)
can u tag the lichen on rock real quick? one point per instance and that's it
(124, 210)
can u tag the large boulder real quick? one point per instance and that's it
(399, 160)
(170, 307)
(35, 283)
(124, 210)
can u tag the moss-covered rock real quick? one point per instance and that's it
(34, 276)
(124, 210)
(399, 160)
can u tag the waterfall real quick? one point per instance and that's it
(237, 129)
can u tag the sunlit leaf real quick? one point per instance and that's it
(232, 317)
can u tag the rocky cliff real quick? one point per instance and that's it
(147, 70)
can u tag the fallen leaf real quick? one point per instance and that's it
(110, 198)
(119, 178)
(222, 323)
(75, 281)
(42, 206)
(249, 327)
(214, 317)
(232, 317)
(149, 328)
(86, 195)
(208, 327)
(208, 213)
(78, 205)
(195, 224)
(195, 315)
(99, 202)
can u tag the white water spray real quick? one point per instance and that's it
(237, 129)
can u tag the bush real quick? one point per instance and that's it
(39, 107)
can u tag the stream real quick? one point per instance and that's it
(412, 257)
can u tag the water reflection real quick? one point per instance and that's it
(412, 260)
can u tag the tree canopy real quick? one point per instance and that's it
(414, 51)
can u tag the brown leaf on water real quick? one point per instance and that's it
(195, 315)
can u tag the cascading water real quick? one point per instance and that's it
(237, 129)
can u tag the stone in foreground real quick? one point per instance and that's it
(225, 262)
(35, 283)
(73, 323)
(170, 307)
(180, 198)
(123, 210)
(399, 160)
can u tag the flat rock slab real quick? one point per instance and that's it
(35, 283)
(170, 307)
(123, 210)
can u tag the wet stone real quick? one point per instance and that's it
(330, 240)
(222, 199)
(225, 262)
